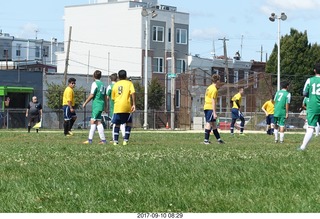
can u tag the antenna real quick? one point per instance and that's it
(241, 44)
(213, 53)
(36, 31)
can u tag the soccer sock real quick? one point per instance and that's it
(101, 132)
(116, 133)
(123, 130)
(241, 129)
(71, 124)
(275, 134)
(66, 126)
(232, 125)
(37, 130)
(216, 134)
(128, 131)
(317, 129)
(92, 131)
(113, 125)
(207, 134)
(307, 138)
(281, 136)
(29, 127)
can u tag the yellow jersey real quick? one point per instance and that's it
(121, 93)
(269, 107)
(68, 95)
(234, 100)
(211, 93)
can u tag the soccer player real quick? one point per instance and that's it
(312, 91)
(34, 112)
(113, 79)
(210, 111)
(99, 98)
(236, 111)
(123, 93)
(304, 107)
(268, 109)
(281, 111)
(68, 103)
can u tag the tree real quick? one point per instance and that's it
(297, 58)
(54, 95)
(156, 95)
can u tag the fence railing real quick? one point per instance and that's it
(53, 119)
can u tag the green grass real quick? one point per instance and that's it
(157, 172)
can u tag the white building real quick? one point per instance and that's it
(110, 35)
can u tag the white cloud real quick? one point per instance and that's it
(29, 30)
(205, 34)
(293, 4)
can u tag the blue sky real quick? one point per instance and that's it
(244, 23)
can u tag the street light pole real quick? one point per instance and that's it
(145, 124)
(146, 14)
(272, 18)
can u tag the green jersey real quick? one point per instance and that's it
(111, 102)
(99, 91)
(281, 99)
(312, 91)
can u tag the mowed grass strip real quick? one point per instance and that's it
(157, 172)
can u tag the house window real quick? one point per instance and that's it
(37, 52)
(169, 35)
(5, 53)
(18, 50)
(157, 33)
(158, 64)
(255, 85)
(235, 77)
(178, 93)
(182, 36)
(246, 78)
(181, 65)
(215, 72)
(45, 51)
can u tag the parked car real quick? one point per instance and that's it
(106, 122)
(291, 123)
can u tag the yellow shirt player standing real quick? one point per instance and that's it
(68, 103)
(210, 111)
(123, 93)
(268, 109)
(236, 111)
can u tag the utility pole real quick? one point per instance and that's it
(261, 53)
(226, 72)
(67, 57)
(173, 81)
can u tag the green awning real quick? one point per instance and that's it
(4, 90)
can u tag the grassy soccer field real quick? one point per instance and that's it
(157, 172)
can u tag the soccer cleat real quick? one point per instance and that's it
(220, 141)
(70, 133)
(115, 143)
(275, 141)
(125, 143)
(102, 142)
(87, 142)
(206, 142)
(242, 134)
(281, 142)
